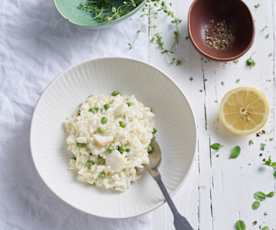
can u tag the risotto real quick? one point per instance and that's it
(109, 139)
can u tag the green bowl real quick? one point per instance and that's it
(69, 10)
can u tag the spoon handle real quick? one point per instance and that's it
(180, 222)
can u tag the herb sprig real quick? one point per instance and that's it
(152, 10)
(108, 10)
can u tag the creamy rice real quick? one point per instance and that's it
(109, 139)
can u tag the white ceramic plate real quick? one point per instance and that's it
(174, 121)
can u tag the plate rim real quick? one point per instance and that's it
(87, 61)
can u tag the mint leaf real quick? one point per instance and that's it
(240, 225)
(270, 194)
(273, 165)
(268, 162)
(260, 196)
(255, 205)
(216, 146)
(235, 152)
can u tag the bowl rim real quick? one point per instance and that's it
(102, 24)
(215, 58)
(60, 75)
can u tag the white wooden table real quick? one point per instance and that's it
(219, 191)
(36, 44)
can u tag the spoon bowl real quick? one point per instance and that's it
(180, 222)
(155, 156)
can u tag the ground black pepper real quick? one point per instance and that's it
(219, 35)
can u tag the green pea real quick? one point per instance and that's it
(110, 149)
(104, 120)
(94, 110)
(81, 145)
(115, 93)
(129, 103)
(100, 160)
(106, 106)
(89, 163)
(122, 124)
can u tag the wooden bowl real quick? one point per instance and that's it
(235, 13)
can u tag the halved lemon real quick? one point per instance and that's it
(244, 110)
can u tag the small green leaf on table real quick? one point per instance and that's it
(255, 205)
(240, 225)
(235, 152)
(260, 196)
(216, 146)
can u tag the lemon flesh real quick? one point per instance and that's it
(244, 110)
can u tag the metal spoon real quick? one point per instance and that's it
(180, 222)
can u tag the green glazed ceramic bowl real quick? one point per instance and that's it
(69, 10)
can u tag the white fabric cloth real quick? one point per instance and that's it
(36, 44)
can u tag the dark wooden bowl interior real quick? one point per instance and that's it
(235, 13)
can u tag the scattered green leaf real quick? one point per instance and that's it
(216, 146)
(260, 196)
(235, 152)
(250, 62)
(270, 194)
(255, 205)
(240, 225)
(270, 163)
(273, 165)
(265, 228)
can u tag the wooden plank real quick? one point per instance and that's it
(218, 190)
